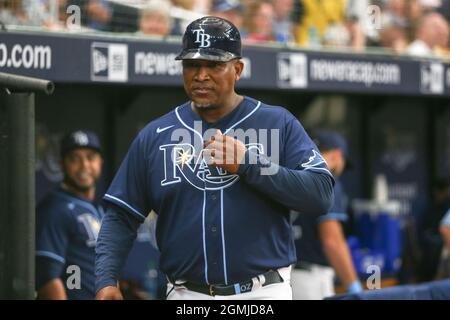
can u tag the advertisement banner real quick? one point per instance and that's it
(132, 61)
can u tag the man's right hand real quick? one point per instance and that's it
(109, 293)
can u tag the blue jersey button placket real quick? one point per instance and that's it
(213, 236)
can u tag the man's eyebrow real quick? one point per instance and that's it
(191, 62)
(207, 63)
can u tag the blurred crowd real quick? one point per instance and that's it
(416, 27)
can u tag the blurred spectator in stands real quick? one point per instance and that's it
(95, 14)
(258, 21)
(432, 36)
(337, 36)
(357, 24)
(394, 38)
(100, 14)
(431, 5)
(404, 14)
(230, 10)
(337, 23)
(415, 12)
(357, 35)
(282, 23)
(12, 12)
(155, 18)
(360, 17)
(399, 23)
(50, 14)
(344, 36)
(199, 6)
(185, 4)
(316, 17)
(395, 13)
(183, 12)
(202, 6)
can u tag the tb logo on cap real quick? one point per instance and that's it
(202, 38)
(80, 138)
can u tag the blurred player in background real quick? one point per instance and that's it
(322, 249)
(432, 231)
(68, 222)
(445, 230)
(141, 278)
(444, 270)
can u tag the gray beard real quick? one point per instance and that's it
(204, 106)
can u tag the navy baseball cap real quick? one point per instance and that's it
(329, 140)
(226, 5)
(211, 38)
(80, 139)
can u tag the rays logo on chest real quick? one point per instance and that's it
(183, 161)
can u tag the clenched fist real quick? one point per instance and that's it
(225, 152)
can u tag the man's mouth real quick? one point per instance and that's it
(201, 90)
(84, 176)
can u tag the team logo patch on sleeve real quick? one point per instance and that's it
(315, 161)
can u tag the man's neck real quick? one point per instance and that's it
(88, 195)
(212, 115)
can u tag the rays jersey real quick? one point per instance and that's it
(66, 233)
(213, 227)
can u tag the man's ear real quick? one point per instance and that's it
(340, 153)
(336, 153)
(238, 67)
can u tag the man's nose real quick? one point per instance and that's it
(202, 74)
(84, 162)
